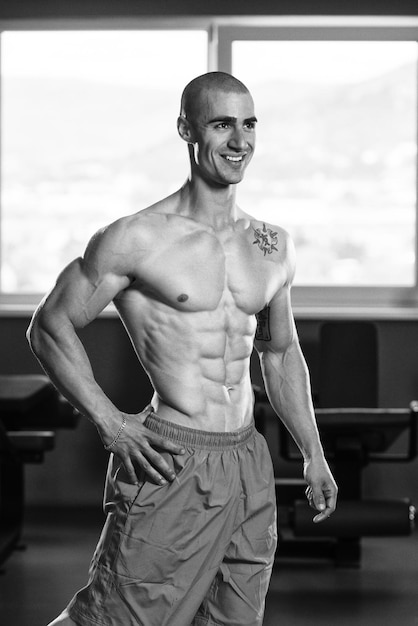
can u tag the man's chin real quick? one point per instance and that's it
(232, 178)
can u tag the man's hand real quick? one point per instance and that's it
(321, 490)
(136, 447)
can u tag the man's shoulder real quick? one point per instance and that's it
(273, 245)
(134, 237)
(258, 224)
(271, 237)
(139, 225)
(265, 226)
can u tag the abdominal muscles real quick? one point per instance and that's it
(198, 363)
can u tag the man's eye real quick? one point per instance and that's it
(223, 125)
(250, 125)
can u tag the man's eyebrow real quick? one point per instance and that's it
(231, 120)
(223, 118)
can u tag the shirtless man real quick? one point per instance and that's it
(190, 533)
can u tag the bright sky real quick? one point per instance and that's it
(320, 61)
(122, 57)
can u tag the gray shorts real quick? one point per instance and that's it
(193, 552)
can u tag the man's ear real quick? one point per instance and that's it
(184, 129)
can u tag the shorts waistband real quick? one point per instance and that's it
(196, 438)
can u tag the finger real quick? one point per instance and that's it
(309, 497)
(322, 516)
(165, 444)
(159, 463)
(152, 473)
(318, 500)
(157, 440)
(130, 470)
(331, 500)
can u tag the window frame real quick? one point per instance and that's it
(22, 303)
(222, 32)
(334, 30)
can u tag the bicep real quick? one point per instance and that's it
(81, 293)
(275, 324)
(282, 364)
(88, 284)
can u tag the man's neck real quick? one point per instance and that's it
(213, 206)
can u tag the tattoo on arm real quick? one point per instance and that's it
(263, 325)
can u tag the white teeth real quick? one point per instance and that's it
(235, 159)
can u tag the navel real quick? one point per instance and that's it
(183, 297)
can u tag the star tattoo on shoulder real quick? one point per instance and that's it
(266, 239)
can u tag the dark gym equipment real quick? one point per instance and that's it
(30, 411)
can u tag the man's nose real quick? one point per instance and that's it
(238, 140)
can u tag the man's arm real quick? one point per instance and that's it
(83, 290)
(287, 385)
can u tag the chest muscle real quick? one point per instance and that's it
(195, 273)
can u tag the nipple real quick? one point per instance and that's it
(182, 297)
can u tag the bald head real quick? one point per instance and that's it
(201, 86)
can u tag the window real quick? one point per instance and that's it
(338, 154)
(89, 134)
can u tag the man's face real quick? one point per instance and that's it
(224, 136)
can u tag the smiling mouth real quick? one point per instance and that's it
(234, 159)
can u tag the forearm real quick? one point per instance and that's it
(56, 345)
(288, 388)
